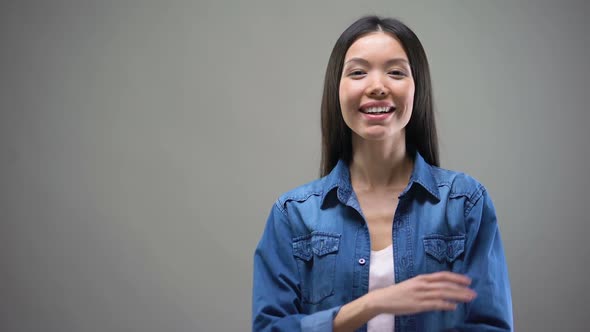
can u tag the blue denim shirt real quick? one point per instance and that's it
(314, 254)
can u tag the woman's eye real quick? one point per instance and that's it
(356, 73)
(397, 73)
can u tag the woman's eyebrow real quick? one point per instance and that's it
(387, 63)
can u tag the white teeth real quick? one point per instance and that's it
(376, 110)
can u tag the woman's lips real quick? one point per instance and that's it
(377, 110)
(376, 104)
(377, 116)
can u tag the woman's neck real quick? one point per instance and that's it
(380, 165)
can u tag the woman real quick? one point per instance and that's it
(386, 240)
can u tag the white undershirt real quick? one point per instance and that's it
(380, 276)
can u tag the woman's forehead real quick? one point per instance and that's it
(375, 46)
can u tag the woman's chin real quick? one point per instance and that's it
(377, 134)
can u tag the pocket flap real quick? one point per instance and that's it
(302, 248)
(324, 243)
(318, 243)
(444, 248)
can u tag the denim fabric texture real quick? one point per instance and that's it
(314, 254)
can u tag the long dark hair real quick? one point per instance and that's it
(420, 131)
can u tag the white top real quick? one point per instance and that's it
(380, 276)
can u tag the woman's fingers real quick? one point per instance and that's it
(450, 295)
(427, 292)
(440, 305)
(452, 287)
(447, 276)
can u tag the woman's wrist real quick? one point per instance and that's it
(356, 313)
(371, 307)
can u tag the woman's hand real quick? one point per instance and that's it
(426, 292)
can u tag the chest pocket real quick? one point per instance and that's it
(442, 251)
(315, 255)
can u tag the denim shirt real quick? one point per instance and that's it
(314, 254)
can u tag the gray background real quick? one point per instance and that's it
(142, 145)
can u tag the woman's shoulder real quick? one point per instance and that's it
(458, 183)
(312, 190)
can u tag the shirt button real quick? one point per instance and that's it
(362, 261)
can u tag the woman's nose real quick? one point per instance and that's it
(378, 92)
(377, 88)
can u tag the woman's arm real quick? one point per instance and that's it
(276, 304)
(486, 265)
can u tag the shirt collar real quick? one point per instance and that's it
(339, 178)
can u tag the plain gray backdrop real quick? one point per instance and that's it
(143, 143)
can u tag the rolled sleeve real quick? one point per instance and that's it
(321, 321)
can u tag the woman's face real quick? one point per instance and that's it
(376, 88)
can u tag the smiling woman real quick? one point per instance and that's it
(385, 240)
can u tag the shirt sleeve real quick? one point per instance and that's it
(276, 298)
(486, 266)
